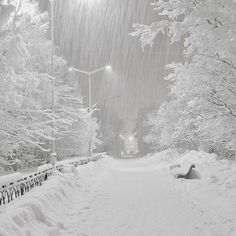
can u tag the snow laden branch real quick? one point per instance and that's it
(147, 34)
(202, 93)
(174, 11)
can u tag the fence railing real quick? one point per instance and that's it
(17, 188)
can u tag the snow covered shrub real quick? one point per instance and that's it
(203, 89)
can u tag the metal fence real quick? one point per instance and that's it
(15, 189)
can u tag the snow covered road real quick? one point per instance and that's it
(136, 197)
(131, 199)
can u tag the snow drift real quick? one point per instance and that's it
(41, 212)
(214, 192)
(54, 207)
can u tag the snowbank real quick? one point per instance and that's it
(45, 167)
(39, 211)
(214, 193)
(165, 156)
(77, 159)
(201, 158)
(7, 179)
(216, 174)
(42, 210)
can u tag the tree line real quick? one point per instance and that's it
(201, 111)
(26, 120)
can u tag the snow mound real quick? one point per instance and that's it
(219, 175)
(7, 179)
(41, 211)
(45, 167)
(200, 158)
(215, 189)
(165, 156)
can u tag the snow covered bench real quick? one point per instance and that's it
(182, 170)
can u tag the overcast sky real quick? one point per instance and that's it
(93, 33)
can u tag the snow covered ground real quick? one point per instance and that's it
(129, 198)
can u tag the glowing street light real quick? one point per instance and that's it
(89, 74)
(108, 67)
(131, 138)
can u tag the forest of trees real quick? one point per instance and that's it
(26, 115)
(200, 111)
(202, 107)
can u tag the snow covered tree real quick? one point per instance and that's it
(81, 138)
(203, 86)
(26, 92)
(142, 129)
(110, 130)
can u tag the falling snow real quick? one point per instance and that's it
(117, 117)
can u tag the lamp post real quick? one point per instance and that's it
(53, 151)
(90, 74)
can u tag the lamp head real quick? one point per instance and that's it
(71, 69)
(131, 138)
(108, 67)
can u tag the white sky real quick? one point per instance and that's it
(94, 33)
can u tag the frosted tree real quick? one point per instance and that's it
(81, 138)
(25, 100)
(203, 86)
(142, 129)
(111, 129)
(22, 39)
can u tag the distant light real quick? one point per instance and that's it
(108, 67)
(71, 69)
(131, 138)
(121, 136)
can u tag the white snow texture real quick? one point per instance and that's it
(129, 198)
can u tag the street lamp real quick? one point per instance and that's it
(108, 67)
(131, 138)
(53, 153)
(89, 74)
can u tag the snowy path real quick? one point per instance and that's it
(129, 198)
